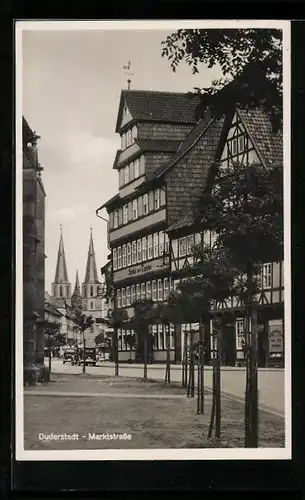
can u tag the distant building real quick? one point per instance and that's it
(87, 296)
(33, 256)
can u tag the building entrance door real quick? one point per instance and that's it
(228, 355)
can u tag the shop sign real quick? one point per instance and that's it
(276, 339)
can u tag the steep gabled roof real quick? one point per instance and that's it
(109, 202)
(61, 273)
(91, 269)
(158, 145)
(269, 145)
(190, 141)
(166, 107)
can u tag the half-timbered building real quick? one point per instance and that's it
(247, 137)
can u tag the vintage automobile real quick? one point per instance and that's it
(70, 356)
(90, 356)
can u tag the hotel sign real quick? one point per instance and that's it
(276, 339)
(139, 270)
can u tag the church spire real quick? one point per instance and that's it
(77, 286)
(61, 273)
(76, 299)
(91, 270)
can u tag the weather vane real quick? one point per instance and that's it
(127, 69)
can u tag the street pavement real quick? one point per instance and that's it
(271, 382)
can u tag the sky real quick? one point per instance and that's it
(72, 82)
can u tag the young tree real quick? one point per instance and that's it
(245, 209)
(145, 313)
(83, 323)
(250, 61)
(116, 319)
(53, 338)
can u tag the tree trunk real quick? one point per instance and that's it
(200, 388)
(218, 384)
(251, 396)
(191, 383)
(84, 354)
(213, 388)
(145, 356)
(116, 353)
(50, 363)
(168, 356)
(184, 362)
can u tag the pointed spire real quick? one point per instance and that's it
(76, 299)
(61, 274)
(77, 286)
(91, 270)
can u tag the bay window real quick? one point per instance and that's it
(128, 296)
(119, 258)
(145, 204)
(140, 206)
(131, 171)
(144, 249)
(124, 255)
(142, 165)
(115, 259)
(138, 292)
(133, 294)
(143, 290)
(149, 247)
(267, 275)
(139, 250)
(135, 209)
(154, 290)
(190, 244)
(160, 290)
(128, 254)
(148, 290)
(121, 177)
(166, 244)
(125, 214)
(156, 245)
(134, 252)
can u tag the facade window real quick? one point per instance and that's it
(128, 296)
(129, 137)
(135, 209)
(91, 291)
(234, 146)
(156, 245)
(68, 291)
(182, 247)
(133, 294)
(161, 243)
(142, 165)
(143, 290)
(126, 174)
(213, 238)
(115, 219)
(190, 244)
(148, 290)
(119, 258)
(120, 212)
(138, 292)
(241, 144)
(145, 204)
(134, 132)
(115, 259)
(144, 249)
(91, 305)
(131, 171)
(239, 328)
(128, 254)
(119, 301)
(160, 290)
(149, 247)
(60, 291)
(134, 252)
(136, 168)
(123, 297)
(166, 288)
(139, 250)
(166, 244)
(157, 199)
(154, 290)
(267, 275)
(140, 206)
(124, 255)
(125, 214)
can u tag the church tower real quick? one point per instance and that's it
(61, 287)
(76, 299)
(92, 302)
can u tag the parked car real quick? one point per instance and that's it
(70, 356)
(90, 356)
